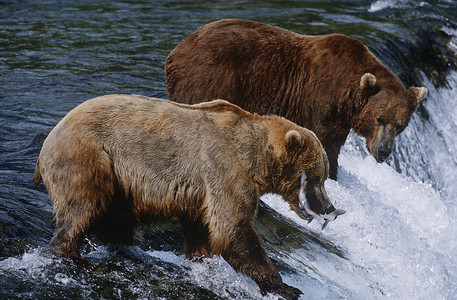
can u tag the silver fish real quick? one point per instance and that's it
(331, 216)
(303, 205)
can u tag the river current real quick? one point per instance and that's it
(398, 238)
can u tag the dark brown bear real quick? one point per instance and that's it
(328, 84)
(115, 162)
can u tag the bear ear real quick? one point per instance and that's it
(368, 82)
(369, 85)
(419, 93)
(293, 139)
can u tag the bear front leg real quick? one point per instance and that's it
(332, 155)
(247, 256)
(332, 147)
(333, 162)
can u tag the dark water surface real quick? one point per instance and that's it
(56, 54)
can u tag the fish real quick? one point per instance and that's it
(330, 215)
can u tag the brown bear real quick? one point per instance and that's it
(118, 161)
(328, 83)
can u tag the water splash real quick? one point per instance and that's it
(385, 4)
(394, 235)
(398, 235)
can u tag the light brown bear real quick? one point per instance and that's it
(118, 161)
(328, 83)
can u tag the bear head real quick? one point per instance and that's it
(384, 112)
(304, 153)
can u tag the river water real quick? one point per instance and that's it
(398, 238)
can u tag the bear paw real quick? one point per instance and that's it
(286, 291)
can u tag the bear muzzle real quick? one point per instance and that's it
(321, 200)
(383, 153)
(381, 146)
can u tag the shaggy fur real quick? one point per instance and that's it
(328, 84)
(118, 161)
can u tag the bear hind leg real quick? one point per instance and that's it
(66, 240)
(79, 204)
(80, 179)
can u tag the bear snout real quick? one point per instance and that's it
(383, 153)
(318, 200)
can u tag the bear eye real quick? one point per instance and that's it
(381, 121)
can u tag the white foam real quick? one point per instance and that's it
(64, 279)
(214, 274)
(167, 256)
(442, 146)
(383, 4)
(31, 262)
(397, 234)
(379, 5)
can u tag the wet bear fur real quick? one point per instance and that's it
(327, 83)
(119, 161)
